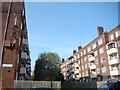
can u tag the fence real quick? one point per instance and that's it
(82, 84)
(35, 84)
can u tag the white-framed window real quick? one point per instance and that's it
(117, 34)
(98, 70)
(111, 37)
(79, 68)
(82, 66)
(81, 53)
(100, 42)
(97, 61)
(78, 55)
(96, 53)
(85, 65)
(118, 43)
(88, 49)
(75, 57)
(102, 60)
(94, 46)
(84, 52)
(86, 73)
(84, 58)
(101, 50)
(79, 61)
(15, 22)
(82, 73)
(104, 69)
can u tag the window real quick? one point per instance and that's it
(98, 70)
(84, 52)
(78, 55)
(97, 62)
(94, 46)
(100, 42)
(82, 66)
(102, 60)
(101, 50)
(82, 73)
(88, 49)
(86, 73)
(85, 65)
(84, 58)
(111, 45)
(118, 43)
(15, 20)
(81, 60)
(96, 53)
(115, 67)
(117, 34)
(111, 37)
(81, 54)
(103, 69)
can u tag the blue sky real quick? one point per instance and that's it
(62, 26)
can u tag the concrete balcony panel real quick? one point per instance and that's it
(91, 59)
(112, 50)
(93, 76)
(77, 71)
(22, 70)
(115, 72)
(93, 66)
(76, 65)
(114, 61)
(25, 41)
(23, 55)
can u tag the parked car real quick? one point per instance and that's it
(40, 88)
(110, 85)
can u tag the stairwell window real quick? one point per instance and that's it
(111, 37)
(102, 60)
(101, 50)
(100, 42)
(104, 69)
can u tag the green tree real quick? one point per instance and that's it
(47, 67)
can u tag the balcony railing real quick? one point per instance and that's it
(22, 70)
(114, 61)
(92, 66)
(111, 51)
(25, 41)
(91, 58)
(115, 72)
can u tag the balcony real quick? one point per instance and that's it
(24, 55)
(93, 76)
(77, 71)
(91, 59)
(76, 65)
(114, 61)
(93, 66)
(25, 41)
(111, 51)
(22, 70)
(115, 72)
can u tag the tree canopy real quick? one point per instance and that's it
(47, 67)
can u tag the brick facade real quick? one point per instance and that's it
(15, 56)
(99, 60)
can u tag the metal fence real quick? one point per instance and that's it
(34, 84)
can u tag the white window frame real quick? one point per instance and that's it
(101, 50)
(94, 46)
(100, 42)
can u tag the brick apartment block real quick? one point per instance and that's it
(99, 60)
(16, 62)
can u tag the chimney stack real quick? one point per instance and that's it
(100, 30)
(63, 60)
(79, 47)
(74, 51)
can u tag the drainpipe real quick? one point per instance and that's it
(3, 41)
